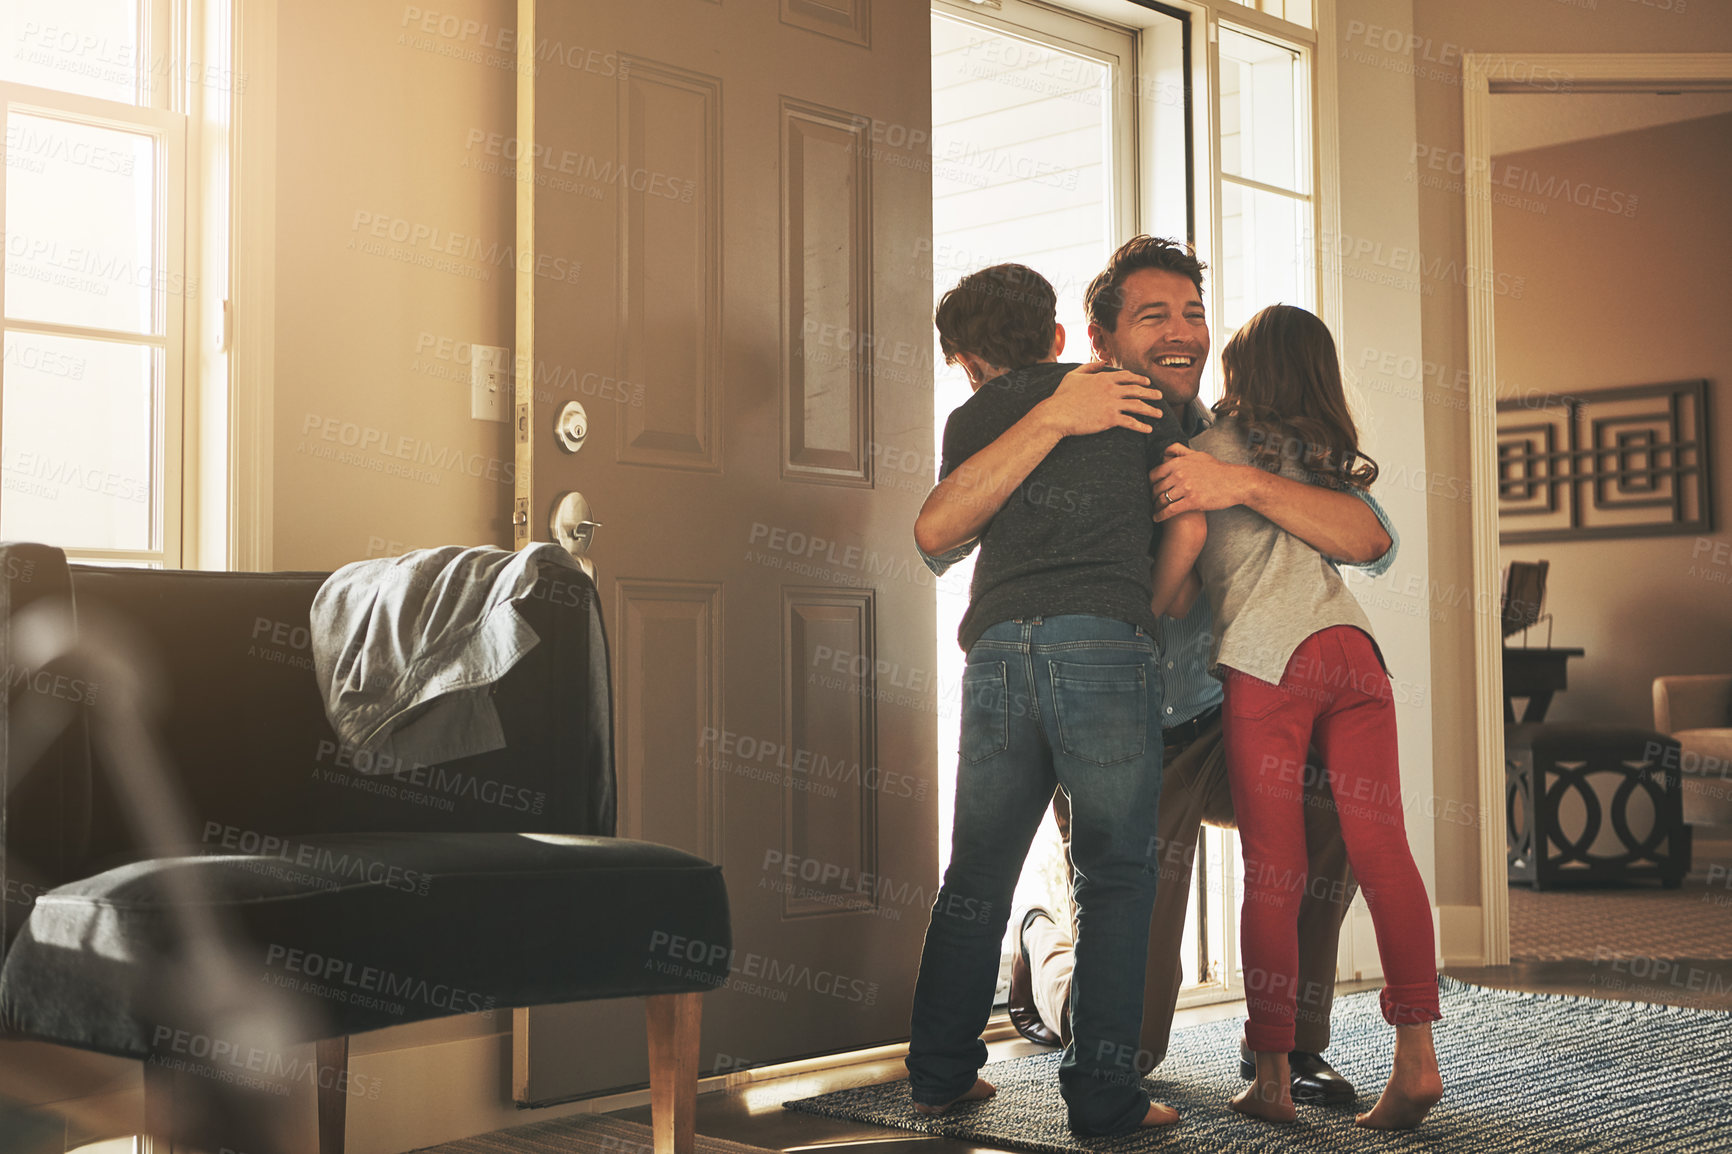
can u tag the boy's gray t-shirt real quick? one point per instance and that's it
(1076, 536)
(1269, 590)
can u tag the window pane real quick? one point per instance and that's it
(80, 224)
(75, 461)
(1260, 112)
(1265, 252)
(85, 46)
(1021, 165)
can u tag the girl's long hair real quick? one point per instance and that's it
(1283, 383)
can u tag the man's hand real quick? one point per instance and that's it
(1192, 481)
(1095, 397)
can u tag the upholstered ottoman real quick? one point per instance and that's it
(1593, 803)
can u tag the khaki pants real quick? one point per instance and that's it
(1193, 791)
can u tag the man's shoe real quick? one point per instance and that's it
(1023, 1015)
(1315, 1081)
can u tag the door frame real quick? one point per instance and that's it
(1484, 75)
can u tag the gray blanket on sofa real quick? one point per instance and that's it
(406, 649)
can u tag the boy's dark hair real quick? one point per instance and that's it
(1106, 292)
(1007, 315)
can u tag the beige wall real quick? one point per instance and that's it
(1442, 30)
(1633, 292)
(374, 122)
(1381, 321)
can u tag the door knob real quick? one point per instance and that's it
(572, 426)
(574, 529)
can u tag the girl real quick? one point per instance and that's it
(1300, 669)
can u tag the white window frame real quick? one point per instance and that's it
(210, 449)
(167, 334)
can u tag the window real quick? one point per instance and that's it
(96, 293)
(1294, 11)
(1265, 160)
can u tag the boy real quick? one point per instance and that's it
(1062, 686)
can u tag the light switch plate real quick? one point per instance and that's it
(490, 386)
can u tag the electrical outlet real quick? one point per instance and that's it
(490, 385)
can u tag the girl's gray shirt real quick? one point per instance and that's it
(1269, 590)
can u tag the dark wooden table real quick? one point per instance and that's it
(1535, 674)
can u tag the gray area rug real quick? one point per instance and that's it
(1521, 1072)
(578, 1134)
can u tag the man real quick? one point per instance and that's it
(1146, 316)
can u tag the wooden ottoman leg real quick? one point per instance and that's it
(674, 1022)
(158, 1136)
(333, 1055)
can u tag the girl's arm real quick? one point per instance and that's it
(1174, 575)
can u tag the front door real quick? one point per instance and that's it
(724, 231)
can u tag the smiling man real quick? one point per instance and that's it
(1146, 316)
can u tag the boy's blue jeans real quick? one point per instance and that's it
(1073, 701)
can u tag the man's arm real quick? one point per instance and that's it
(1337, 524)
(1090, 399)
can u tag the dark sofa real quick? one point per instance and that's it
(197, 874)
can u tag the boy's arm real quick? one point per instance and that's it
(1335, 523)
(1174, 577)
(1090, 399)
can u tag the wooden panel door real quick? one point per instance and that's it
(724, 226)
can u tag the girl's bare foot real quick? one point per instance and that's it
(1159, 1115)
(981, 1089)
(1415, 1083)
(1270, 1094)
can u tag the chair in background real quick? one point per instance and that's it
(1696, 709)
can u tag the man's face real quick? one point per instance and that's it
(1162, 333)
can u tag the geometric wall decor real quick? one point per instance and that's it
(1625, 462)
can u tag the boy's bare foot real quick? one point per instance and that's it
(1159, 1115)
(1415, 1083)
(1270, 1094)
(981, 1089)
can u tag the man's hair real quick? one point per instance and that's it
(1007, 315)
(1106, 295)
